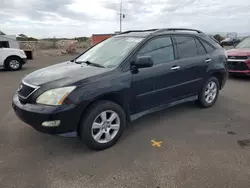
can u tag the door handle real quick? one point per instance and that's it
(208, 60)
(175, 67)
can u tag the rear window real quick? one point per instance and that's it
(208, 47)
(186, 46)
(213, 42)
(201, 49)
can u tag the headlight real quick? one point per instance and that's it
(55, 96)
(22, 52)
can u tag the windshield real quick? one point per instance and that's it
(244, 44)
(110, 52)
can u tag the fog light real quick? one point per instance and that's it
(55, 123)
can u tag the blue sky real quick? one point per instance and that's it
(71, 18)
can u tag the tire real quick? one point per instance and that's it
(13, 63)
(204, 100)
(95, 114)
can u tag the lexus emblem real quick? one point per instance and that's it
(20, 87)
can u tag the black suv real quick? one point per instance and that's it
(121, 79)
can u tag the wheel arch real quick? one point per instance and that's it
(11, 56)
(219, 76)
(115, 97)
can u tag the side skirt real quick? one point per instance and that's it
(152, 110)
(68, 135)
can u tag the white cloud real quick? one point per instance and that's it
(92, 8)
(70, 18)
(20, 18)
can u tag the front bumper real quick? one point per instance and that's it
(24, 60)
(35, 115)
(237, 72)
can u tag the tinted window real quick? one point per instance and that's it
(4, 44)
(186, 46)
(160, 49)
(201, 49)
(208, 47)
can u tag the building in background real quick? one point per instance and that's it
(96, 38)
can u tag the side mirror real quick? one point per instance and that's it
(143, 62)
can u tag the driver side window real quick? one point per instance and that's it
(160, 49)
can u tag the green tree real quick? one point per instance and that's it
(82, 39)
(22, 36)
(2, 33)
(218, 37)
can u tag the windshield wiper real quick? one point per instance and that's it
(90, 63)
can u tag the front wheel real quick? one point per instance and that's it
(102, 125)
(209, 94)
(13, 63)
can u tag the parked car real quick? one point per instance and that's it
(239, 58)
(12, 59)
(229, 42)
(121, 79)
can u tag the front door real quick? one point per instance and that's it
(153, 86)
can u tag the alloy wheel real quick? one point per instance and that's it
(105, 126)
(14, 64)
(210, 92)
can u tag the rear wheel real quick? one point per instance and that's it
(13, 63)
(209, 94)
(102, 125)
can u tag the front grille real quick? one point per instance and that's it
(237, 57)
(237, 65)
(24, 91)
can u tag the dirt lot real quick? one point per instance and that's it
(200, 148)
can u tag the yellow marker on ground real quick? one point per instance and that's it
(156, 144)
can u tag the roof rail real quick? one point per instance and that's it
(177, 29)
(160, 30)
(130, 31)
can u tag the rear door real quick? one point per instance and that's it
(193, 61)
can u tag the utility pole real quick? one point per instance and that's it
(121, 16)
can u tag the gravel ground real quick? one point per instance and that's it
(200, 147)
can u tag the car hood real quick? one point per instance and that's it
(63, 74)
(239, 52)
